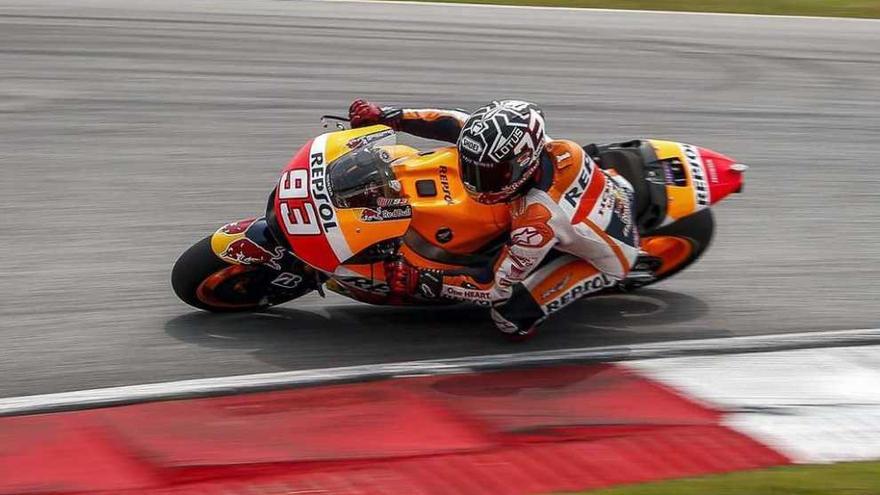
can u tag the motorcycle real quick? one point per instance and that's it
(352, 199)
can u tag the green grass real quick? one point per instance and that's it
(834, 8)
(861, 478)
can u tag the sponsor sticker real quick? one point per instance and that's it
(320, 194)
(362, 141)
(556, 287)
(381, 214)
(588, 286)
(384, 202)
(622, 204)
(576, 190)
(237, 227)
(481, 297)
(698, 177)
(528, 237)
(366, 285)
(713, 172)
(287, 280)
(247, 252)
(443, 172)
(505, 148)
(471, 145)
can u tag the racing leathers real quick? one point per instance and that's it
(573, 230)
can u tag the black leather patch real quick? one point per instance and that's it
(426, 188)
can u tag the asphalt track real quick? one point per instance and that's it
(130, 130)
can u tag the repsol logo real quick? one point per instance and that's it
(573, 195)
(588, 286)
(320, 194)
(444, 184)
(697, 176)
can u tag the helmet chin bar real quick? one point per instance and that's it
(494, 197)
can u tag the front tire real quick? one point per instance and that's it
(203, 280)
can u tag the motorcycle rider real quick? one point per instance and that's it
(567, 214)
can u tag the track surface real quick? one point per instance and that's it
(126, 135)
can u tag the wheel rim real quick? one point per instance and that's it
(233, 287)
(672, 251)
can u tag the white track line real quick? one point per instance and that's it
(267, 381)
(592, 9)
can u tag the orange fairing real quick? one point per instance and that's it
(440, 204)
(696, 177)
(429, 199)
(681, 198)
(361, 234)
(320, 233)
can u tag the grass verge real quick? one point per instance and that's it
(857, 478)
(830, 8)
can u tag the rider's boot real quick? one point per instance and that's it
(644, 271)
(518, 317)
(511, 330)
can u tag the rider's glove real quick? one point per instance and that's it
(401, 277)
(363, 113)
(406, 280)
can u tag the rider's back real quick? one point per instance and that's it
(580, 205)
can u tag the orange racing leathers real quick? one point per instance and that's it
(573, 232)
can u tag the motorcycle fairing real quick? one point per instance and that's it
(249, 242)
(319, 233)
(444, 214)
(695, 177)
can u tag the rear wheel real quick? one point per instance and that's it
(204, 281)
(678, 245)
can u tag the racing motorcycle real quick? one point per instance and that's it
(350, 200)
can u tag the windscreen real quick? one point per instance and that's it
(358, 179)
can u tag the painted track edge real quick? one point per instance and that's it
(230, 385)
(605, 10)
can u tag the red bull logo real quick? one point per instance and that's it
(369, 215)
(237, 227)
(386, 213)
(247, 252)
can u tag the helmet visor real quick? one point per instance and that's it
(489, 177)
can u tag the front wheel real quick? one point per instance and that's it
(203, 280)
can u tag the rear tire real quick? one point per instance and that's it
(203, 280)
(697, 230)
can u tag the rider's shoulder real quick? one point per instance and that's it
(564, 153)
(567, 160)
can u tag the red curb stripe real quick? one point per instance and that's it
(515, 432)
